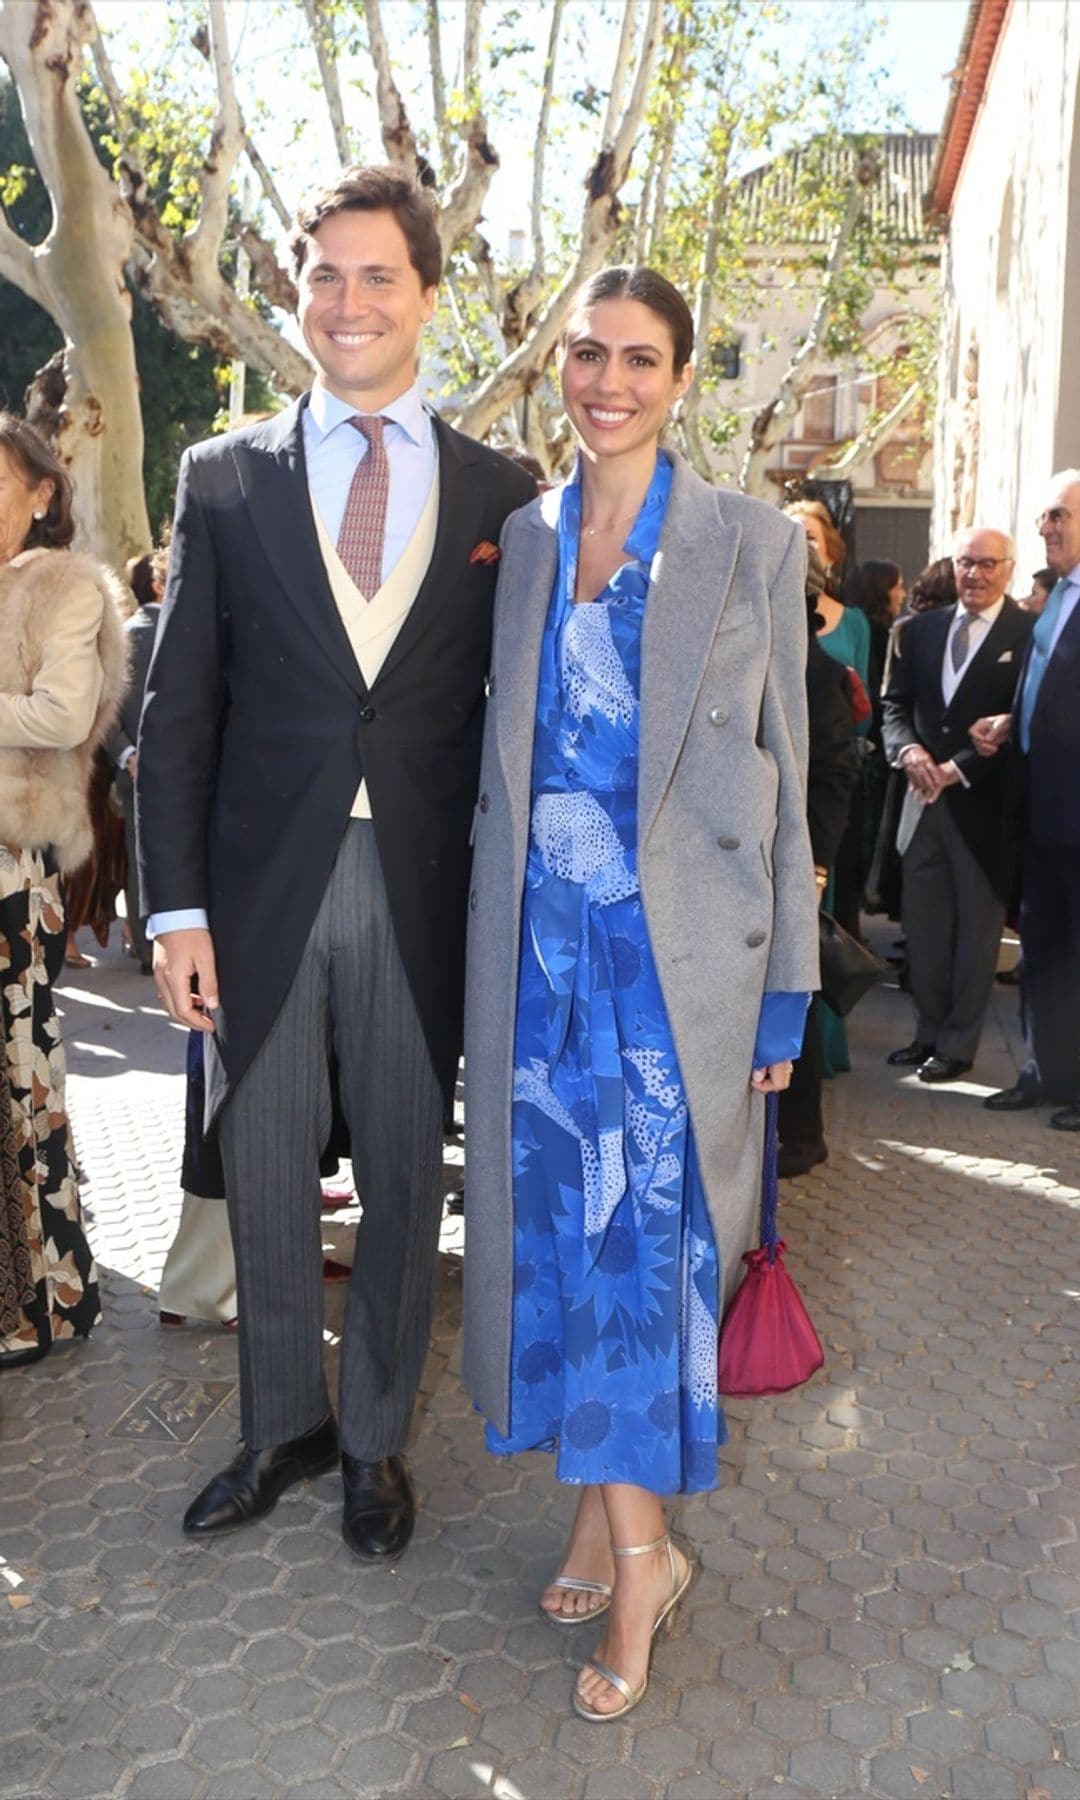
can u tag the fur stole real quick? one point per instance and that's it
(43, 792)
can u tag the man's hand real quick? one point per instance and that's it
(178, 957)
(132, 766)
(772, 1080)
(925, 776)
(990, 733)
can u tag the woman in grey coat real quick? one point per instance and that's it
(643, 946)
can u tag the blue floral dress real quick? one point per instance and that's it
(616, 1279)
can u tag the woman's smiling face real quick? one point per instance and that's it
(618, 378)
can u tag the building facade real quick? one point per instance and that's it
(1006, 187)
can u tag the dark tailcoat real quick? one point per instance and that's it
(1048, 777)
(258, 727)
(140, 631)
(915, 713)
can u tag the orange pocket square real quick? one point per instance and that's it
(484, 552)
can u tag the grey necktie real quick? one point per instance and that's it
(960, 643)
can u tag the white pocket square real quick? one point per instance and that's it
(1006, 656)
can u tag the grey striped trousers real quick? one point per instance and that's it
(350, 998)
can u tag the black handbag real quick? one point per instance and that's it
(848, 968)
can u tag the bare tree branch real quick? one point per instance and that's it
(523, 296)
(321, 27)
(201, 40)
(461, 207)
(774, 421)
(665, 140)
(397, 134)
(520, 371)
(621, 70)
(203, 242)
(438, 85)
(107, 76)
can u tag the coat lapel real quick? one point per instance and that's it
(461, 501)
(273, 476)
(690, 582)
(521, 609)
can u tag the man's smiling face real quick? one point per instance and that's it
(362, 307)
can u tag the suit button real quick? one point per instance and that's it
(717, 716)
(484, 803)
(472, 901)
(946, 731)
(755, 940)
(367, 713)
(729, 843)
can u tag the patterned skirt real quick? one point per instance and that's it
(48, 1283)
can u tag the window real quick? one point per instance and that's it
(819, 411)
(726, 358)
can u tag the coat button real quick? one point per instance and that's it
(367, 713)
(729, 843)
(717, 716)
(484, 803)
(755, 940)
(472, 901)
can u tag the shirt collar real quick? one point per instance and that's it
(988, 617)
(327, 411)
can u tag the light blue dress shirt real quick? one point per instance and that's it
(333, 449)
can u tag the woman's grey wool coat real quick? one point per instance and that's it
(724, 862)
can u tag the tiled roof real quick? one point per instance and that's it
(905, 167)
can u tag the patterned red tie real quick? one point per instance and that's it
(363, 527)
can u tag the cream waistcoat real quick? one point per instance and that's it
(372, 625)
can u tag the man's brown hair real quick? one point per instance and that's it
(375, 188)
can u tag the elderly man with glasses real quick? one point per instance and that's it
(1044, 735)
(954, 666)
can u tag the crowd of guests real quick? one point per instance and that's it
(332, 771)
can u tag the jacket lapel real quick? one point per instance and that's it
(690, 581)
(997, 639)
(272, 471)
(461, 501)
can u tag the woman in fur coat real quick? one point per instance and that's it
(62, 675)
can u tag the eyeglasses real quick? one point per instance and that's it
(985, 564)
(1054, 515)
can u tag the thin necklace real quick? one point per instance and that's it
(592, 530)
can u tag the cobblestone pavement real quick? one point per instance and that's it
(890, 1582)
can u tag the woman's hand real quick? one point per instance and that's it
(772, 1080)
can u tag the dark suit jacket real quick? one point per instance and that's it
(1047, 783)
(258, 726)
(141, 630)
(834, 766)
(915, 713)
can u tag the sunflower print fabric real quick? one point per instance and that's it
(616, 1277)
(48, 1282)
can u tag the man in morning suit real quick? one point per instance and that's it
(1044, 734)
(952, 666)
(308, 762)
(145, 576)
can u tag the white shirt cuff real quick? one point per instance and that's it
(190, 918)
(125, 757)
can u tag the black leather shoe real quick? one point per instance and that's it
(1068, 1119)
(943, 1068)
(255, 1480)
(799, 1159)
(910, 1055)
(1015, 1099)
(380, 1507)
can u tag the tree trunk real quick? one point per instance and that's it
(93, 397)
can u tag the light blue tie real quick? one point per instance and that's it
(1042, 639)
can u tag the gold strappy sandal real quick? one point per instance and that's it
(577, 1584)
(633, 1697)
